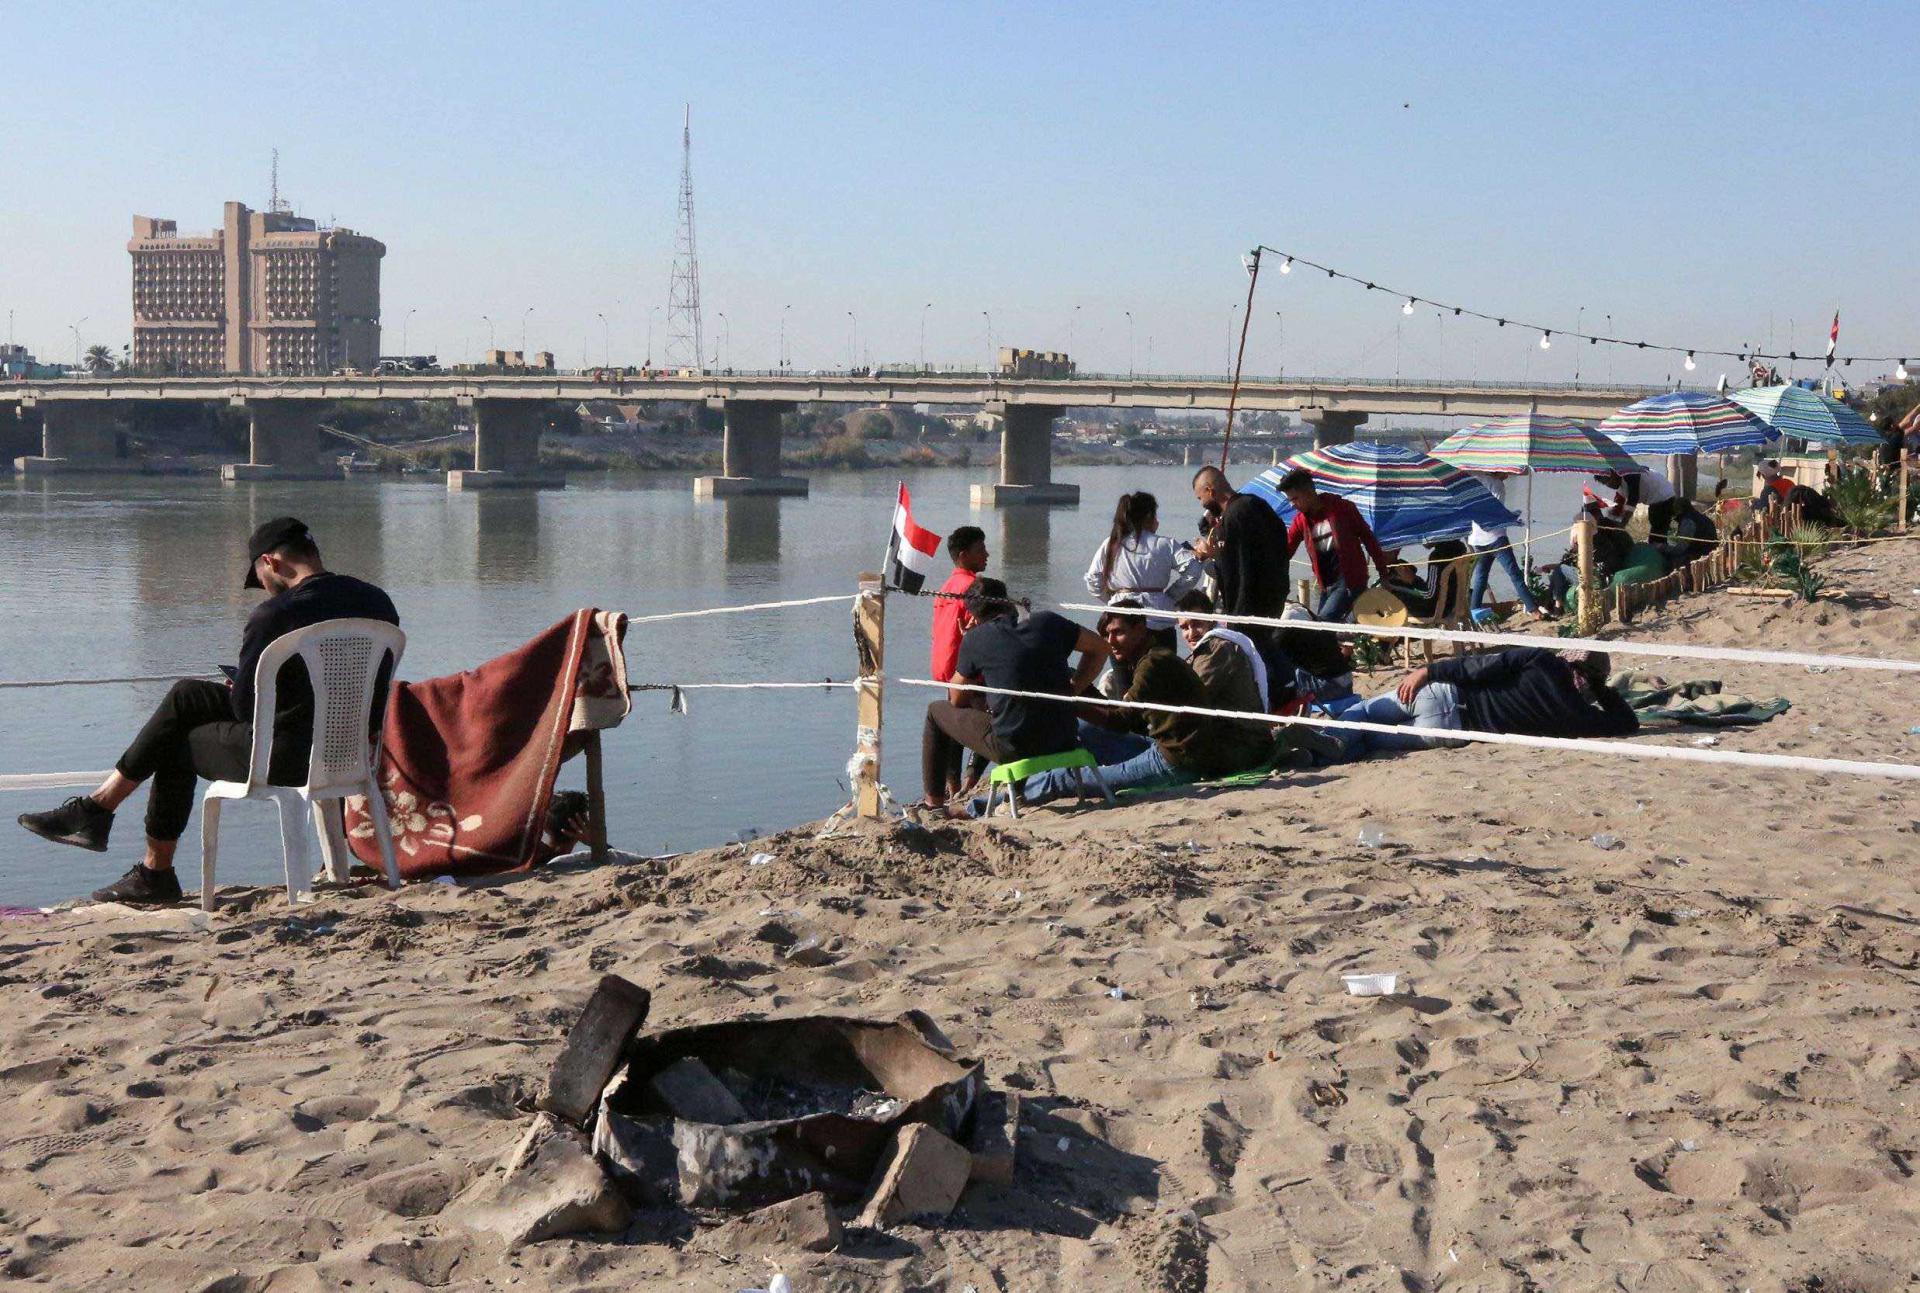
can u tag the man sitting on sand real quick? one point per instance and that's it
(999, 649)
(205, 729)
(1143, 749)
(1527, 691)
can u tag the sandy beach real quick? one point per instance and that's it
(1682, 1063)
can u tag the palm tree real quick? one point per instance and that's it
(99, 359)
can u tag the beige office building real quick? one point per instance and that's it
(268, 293)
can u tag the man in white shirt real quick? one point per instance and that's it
(1652, 488)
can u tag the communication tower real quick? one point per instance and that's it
(684, 337)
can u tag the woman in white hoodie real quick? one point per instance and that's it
(1136, 561)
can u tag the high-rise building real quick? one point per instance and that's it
(268, 293)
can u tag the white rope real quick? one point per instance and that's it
(1627, 749)
(736, 610)
(739, 686)
(97, 682)
(50, 780)
(1617, 647)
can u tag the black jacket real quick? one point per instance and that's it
(1530, 691)
(312, 601)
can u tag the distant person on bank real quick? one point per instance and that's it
(1150, 749)
(1338, 541)
(967, 548)
(205, 729)
(1001, 650)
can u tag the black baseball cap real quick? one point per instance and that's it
(269, 535)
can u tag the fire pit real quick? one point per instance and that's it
(743, 1114)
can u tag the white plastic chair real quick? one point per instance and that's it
(343, 659)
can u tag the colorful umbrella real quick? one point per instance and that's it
(1529, 442)
(1797, 411)
(1405, 496)
(1685, 422)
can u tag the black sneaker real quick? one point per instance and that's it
(142, 887)
(79, 822)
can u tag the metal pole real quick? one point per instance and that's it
(923, 335)
(1233, 396)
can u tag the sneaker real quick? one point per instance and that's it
(79, 822)
(142, 887)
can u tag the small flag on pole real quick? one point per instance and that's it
(1833, 338)
(913, 554)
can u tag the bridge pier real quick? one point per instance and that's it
(283, 443)
(1026, 460)
(506, 449)
(75, 437)
(749, 453)
(1332, 426)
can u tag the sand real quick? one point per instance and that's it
(1683, 1063)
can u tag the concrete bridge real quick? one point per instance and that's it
(78, 415)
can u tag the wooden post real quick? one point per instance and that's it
(596, 800)
(870, 640)
(1589, 618)
(1900, 522)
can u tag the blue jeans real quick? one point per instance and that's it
(1336, 603)
(1483, 570)
(1437, 707)
(1108, 746)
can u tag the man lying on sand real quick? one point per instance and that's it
(1528, 691)
(998, 649)
(206, 728)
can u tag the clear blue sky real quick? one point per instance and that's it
(1702, 173)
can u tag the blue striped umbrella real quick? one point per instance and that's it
(1406, 496)
(1685, 422)
(1809, 415)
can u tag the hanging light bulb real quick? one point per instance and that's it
(1546, 341)
(1900, 373)
(1286, 266)
(1408, 307)
(1690, 364)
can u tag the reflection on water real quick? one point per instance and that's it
(751, 529)
(116, 576)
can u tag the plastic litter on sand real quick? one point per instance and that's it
(1372, 837)
(760, 859)
(1371, 985)
(1608, 842)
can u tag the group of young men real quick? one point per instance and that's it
(1027, 684)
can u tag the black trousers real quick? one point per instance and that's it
(193, 734)
(949, 733)
(1660, 520)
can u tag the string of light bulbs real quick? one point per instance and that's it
(1411, 301)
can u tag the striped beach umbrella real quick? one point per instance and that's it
(1530, 442)
(1808, 415)
(1693, 422)
(1406, 496)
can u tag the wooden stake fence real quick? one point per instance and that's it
(870, 644)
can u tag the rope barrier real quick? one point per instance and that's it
(98, 682)
(736, 610)
(1588, 745)
(50, 780)
(1671, 650)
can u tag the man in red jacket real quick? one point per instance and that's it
(1338, 540)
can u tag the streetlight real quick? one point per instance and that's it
(405, 319)
(606, 341)
(649, 359)
(780, 356)
(853, 325)
(1280, 341)
(1609, 351)
(923, 335)
(523, 333)
(719, 343)
(1129, 314)
(491, 347)
(1579, 320)
(989, 319)
(1072, 318)
(75, 327)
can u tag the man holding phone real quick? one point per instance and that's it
(205, 729)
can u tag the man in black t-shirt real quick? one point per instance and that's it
(999, 649)
(205, 729)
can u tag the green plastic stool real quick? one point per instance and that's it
(1012, 774)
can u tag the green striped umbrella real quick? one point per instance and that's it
(1797, 411)
(1530, 442)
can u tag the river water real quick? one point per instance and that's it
(106, 576)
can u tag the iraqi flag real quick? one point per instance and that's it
(1833, 338)
(913, 554)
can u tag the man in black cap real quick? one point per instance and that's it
(206, 728)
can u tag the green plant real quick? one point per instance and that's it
(1863, 505)
(1808, 583)
(1370, 653)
